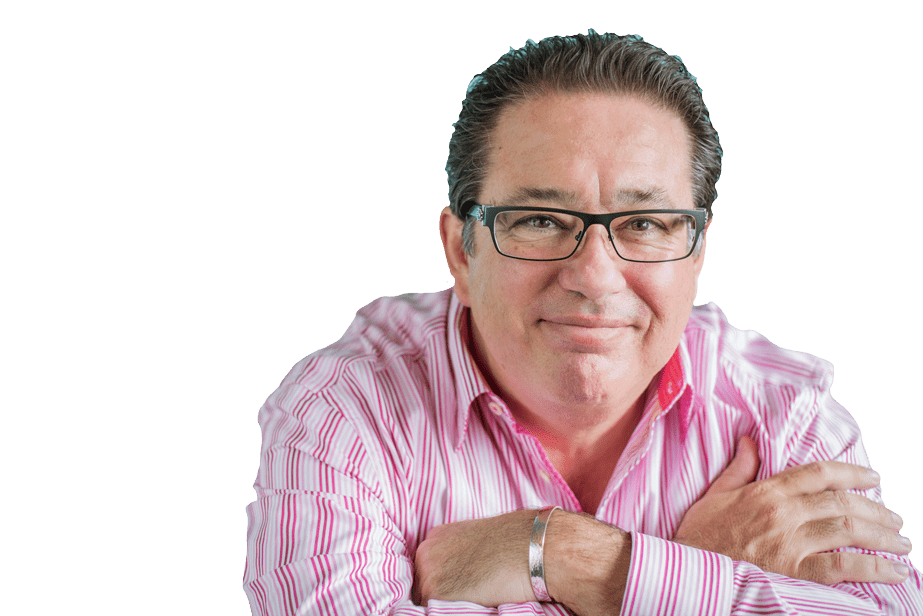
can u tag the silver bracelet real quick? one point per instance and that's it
(537, 554)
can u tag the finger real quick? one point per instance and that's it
(741, 470)
(833, 503)
(849, 531)
(836, 567)
(824, 475)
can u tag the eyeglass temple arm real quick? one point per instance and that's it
(478, 212)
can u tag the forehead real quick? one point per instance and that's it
(590, 150)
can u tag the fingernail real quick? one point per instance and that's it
(873, 476)
(901, 569)
(897, 519)
(905, 541)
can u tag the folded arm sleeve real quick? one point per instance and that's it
(324, 535)
(669, 578)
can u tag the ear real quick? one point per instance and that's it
(450, 229)
(699, 259)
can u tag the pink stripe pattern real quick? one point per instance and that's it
(392, 430)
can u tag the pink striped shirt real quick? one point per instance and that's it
(371, 442)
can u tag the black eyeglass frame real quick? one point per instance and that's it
(487, 214)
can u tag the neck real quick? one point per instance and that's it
(585, 452)
(580, 432)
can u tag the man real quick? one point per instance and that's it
(412, 467)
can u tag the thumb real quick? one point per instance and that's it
(741, 470)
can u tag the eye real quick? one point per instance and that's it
(642, 224)
(532, 225)
(537, 221)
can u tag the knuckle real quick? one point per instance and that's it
(817, 468)
(840, 498)
(827, 501)
(774, 513)
(838, 561)
(848, 524)
(852, 567)
(881, 566)
(836, 567)
(761, 491)
(869, 568)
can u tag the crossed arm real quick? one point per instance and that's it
(787, 525)
(327, 536)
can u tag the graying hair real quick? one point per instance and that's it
(591, 63)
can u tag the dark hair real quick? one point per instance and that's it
(581, 63)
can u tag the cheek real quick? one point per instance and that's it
(668, 291)
(480, 283)
(506, 284)
(492, 297)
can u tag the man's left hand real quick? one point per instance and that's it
(791, 522)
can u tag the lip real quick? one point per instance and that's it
(589, 322)
(585, 334)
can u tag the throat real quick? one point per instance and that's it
(590, 485)
(585, 453)
(587, 473)
(587, 464)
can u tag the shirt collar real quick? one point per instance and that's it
(673, 381)
(672, 378)
(675, 387)
(469, 382)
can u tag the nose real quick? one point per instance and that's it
(595, 270)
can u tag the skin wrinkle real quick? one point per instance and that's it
(592, 64)
(649, 198)
(642, 196)
(572, 345)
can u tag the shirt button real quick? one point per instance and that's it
(495, 408)
(545, 476)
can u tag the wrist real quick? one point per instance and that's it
(586, 563)
(536, 553)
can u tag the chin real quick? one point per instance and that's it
(582, 381)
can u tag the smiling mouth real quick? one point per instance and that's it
(587, 322)
(585, 334)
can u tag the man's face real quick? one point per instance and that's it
(590, 331)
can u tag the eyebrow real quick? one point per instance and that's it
(647, 197)
(527, 194)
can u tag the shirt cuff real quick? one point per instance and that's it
(669, 578)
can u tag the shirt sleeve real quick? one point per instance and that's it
(324, 535)
(670, 578)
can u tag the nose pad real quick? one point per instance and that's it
(594, 270)
(579, 237)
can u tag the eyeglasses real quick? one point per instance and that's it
(549, 234)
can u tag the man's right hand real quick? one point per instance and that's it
(788, 523)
